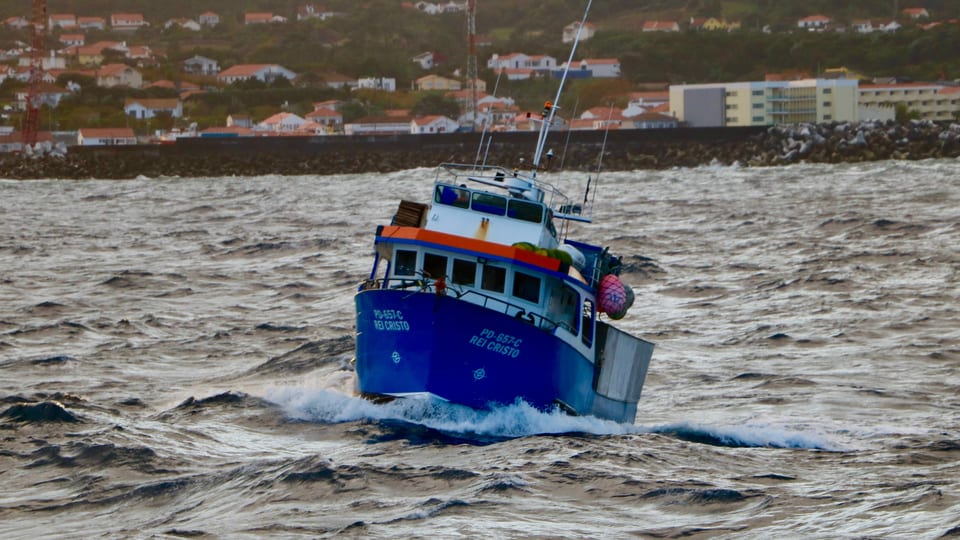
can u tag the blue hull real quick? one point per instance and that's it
(416, 342)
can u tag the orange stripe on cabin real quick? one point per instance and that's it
(470, 244)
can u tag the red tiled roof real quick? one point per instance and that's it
(107, 132)
(242, 70)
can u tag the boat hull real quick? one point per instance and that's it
(423, 343)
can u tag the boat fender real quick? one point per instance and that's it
(617, 315)
(612, 295)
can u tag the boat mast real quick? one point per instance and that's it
(550, 109)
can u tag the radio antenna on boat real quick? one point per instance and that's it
(550, 108)
(603, 147)
(563, 156)
(483, 133)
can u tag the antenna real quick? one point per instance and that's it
(550, 110)
(483, 133)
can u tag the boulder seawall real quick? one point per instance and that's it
(574, 150)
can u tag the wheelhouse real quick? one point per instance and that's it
(547, 298)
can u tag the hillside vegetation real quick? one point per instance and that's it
(378, 38)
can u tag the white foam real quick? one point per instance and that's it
(517, 420)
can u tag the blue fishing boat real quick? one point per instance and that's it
(478, 296)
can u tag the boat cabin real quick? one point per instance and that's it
(502, 218)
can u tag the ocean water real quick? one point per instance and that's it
(175, 362)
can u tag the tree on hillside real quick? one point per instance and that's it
(436, 103)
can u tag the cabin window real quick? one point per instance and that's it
(587, 336)
(406, 263)
(526, 287)
(434, 266)
(551, 228)
(525, 210)
(569, 308)
(494, 278)
(489, 204)
(464, 272)
(452, 196)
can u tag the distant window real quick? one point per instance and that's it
(758, 92)
(758, 119)
(464, 272)
(828, 90)
(406, 263)
(525, 210)
(826, 103)
(434, 266)
(494, 278)
(489, 204)
(827, 117)
(526, 287)
(452, 196)
(758, 105)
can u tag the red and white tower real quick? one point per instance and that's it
(38, 25)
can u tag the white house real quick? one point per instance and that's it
(330, 120)
(311, 11)
(112, 75)
(377, 83)
(105, 136)
(201, 65)
(48, 94)
(603, 68)
(378, 125)
(537, 62)
(814, 22)
(141, 108)
(208, 18)
(433, 124)
(283, 122)
(16, 22)
(61, 20)
(653, 121)
(92, 23)
(570, 32)
(47, 62)
(425, 60)
(186, 24)
(643, 102)
(263, 72)
(127, 21)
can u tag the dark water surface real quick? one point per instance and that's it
(175, 362)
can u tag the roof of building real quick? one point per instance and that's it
(107, 132)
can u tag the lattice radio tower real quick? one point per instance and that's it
(38, 25)
(472, 74)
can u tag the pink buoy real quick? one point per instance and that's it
(612, 297)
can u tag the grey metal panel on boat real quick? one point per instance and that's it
(623, 362)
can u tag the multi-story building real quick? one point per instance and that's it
(765, 103)
(930, 101)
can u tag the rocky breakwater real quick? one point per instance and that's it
(855, 142)
(628, 150)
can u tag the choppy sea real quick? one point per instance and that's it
(175, 363)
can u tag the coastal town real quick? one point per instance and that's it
(161, 110)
